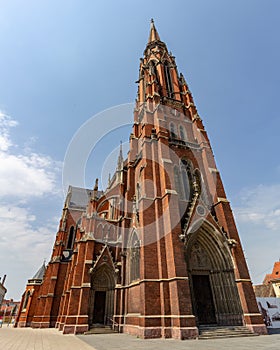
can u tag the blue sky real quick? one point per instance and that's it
(62, 62)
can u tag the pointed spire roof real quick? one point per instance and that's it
(39, 275)
(154, 36)
(120, 158)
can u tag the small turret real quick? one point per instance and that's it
(39, 275)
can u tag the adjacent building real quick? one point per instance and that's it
(3, 290)
(268, 297)
(9, 310)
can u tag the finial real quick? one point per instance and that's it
(109, 179)
(120, 158)
(96, 185)
(152, 20)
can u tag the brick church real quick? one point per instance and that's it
(156, 253)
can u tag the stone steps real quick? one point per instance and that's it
(215, 332)
(100, 330)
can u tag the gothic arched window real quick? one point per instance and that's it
(26, 299)
(168, 79)
(178, 183)
(172, 131)
(134, 257)
(142, 87)
(71, 238)
(153, 70)
(182, 133)
(186, 173)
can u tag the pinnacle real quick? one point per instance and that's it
(154, 36)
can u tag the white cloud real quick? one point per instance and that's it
(27, 174)
(23, 247)
(6, 123)
(260, 206)
(27, 230)
(257, 212)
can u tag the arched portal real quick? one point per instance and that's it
(215, 296)
(101, 306)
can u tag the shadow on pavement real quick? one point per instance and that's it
(273, 331)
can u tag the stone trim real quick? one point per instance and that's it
(89, 261)
(165, 160)
(86, 285)
(243, 280)
(152, 280)
(168, 191)
(253, 314)
(76, 316)
(213, 170)
(222, 199)
(160, 316)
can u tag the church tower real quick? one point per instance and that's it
(157, 253)
(192, 269)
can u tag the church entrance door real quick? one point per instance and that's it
(215, 298)
(101, 302)
(99, 307)
(203, 296)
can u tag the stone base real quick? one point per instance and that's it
(257, 328)
(180, 333)
(185, 333)
(75, 329)
(40, 325)
(59, 326)
(21, 324)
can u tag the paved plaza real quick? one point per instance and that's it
(51, 339)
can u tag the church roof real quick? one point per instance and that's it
(39, 275)
(78, 197)
(264, 290)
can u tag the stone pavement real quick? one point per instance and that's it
(39, 339)
(126, 342)
(52, 339)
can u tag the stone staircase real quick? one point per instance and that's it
(100, 329)
(216, 332)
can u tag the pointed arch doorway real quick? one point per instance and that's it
(215, 297)
(101, 306)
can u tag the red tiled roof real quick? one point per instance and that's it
(274, 275)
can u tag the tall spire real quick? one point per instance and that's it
(154, 36)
